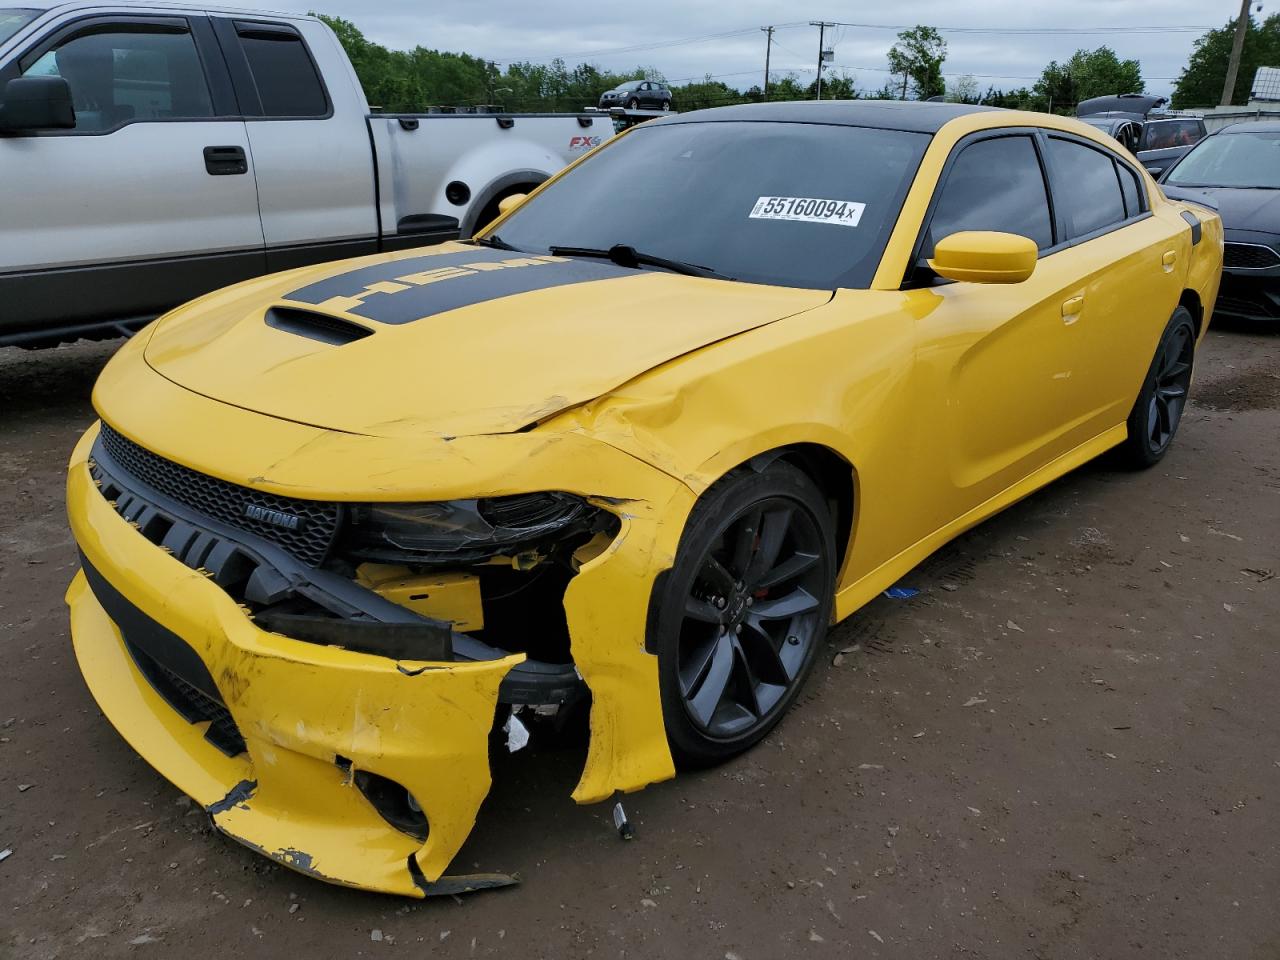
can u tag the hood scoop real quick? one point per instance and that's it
(316, 326)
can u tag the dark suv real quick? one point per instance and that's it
(637, 95)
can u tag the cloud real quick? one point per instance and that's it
(725, 41)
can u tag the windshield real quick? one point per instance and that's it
(792, 204)
(14, 19)
(1247, 160)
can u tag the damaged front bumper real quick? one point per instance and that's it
(317, 724)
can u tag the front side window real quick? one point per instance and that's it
(287, 82)
(1086, 187)
(994, 185)
(119, 76)
(1246, 160)
(792, 204)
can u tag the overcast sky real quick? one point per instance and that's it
(621, 35)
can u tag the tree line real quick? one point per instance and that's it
(414, 80)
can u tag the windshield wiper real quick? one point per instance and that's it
(495, 241)
(625, 256)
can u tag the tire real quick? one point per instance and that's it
(1157, 412)
(633, 104)
(742, 613)
(666, 105)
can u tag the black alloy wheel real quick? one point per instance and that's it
(1156, 414)
(744, 611)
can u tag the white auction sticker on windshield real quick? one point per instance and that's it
(843, 213)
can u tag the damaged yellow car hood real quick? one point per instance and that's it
(455, 340)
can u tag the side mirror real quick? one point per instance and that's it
(507, 204)
(37, 103)
(984, 257)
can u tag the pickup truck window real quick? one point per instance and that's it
(283, 72)
(126, 74)
(14, 19)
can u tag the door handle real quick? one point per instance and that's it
(225, 161)
(1071, 310)
(1168, 260)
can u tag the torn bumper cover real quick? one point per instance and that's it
(280, 738)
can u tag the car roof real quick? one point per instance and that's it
(911, 115)
(217, 6)
(1253, 126)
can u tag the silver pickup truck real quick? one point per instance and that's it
(151, 152)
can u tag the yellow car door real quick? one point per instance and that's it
(1129, 278)
(996, 361)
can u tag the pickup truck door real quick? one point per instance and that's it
(310, 139)
(149, 201)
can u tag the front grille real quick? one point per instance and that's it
(1249, 256)
(263, 514)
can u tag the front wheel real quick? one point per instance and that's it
(666, 105)
(633, 104)
(1157, 412)
(743, 611)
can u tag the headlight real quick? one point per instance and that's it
(466, 530)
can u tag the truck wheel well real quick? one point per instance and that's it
(489, 210)
(1191, 300)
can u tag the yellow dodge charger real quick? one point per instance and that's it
(631, 452)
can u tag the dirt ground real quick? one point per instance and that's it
(1065, 746)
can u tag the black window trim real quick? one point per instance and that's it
(1144, 197)
(916, 263)
(191, 24)
(228, 30)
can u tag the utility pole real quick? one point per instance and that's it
(822, 27)
(1237, 46)
(768, 48)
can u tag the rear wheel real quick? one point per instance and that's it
(1156, 414)
(743, 611)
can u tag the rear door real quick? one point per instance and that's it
(150, 200)
(310, 140)
(1129, 276)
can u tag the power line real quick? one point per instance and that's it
(1022, 31)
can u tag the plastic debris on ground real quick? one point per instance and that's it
(517, 733)
(901, 593)
(623, 825)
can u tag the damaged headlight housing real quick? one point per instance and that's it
(467, 530)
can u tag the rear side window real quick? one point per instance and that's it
(128, 73)
(283, 72)
(994, 185)
(1086, 187)
(1171, 133)
(1132, 190)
